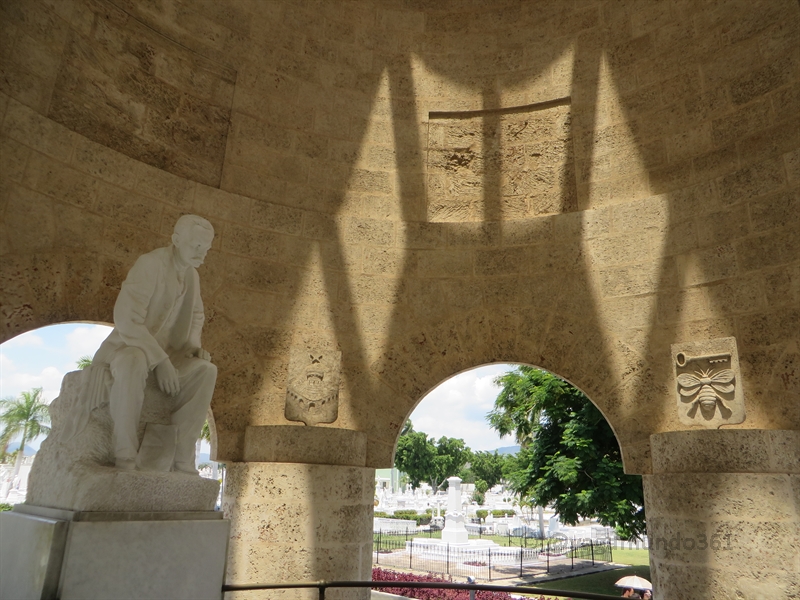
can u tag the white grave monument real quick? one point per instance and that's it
(454, 531)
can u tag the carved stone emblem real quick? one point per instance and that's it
(707, 383)
(312, 395)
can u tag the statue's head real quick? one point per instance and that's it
(192, 239)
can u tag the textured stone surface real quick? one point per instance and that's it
(298, 444)
(310, 523)
(512, 164)
(147, 96)
(723, 516)
(684, 137)
(726, 451)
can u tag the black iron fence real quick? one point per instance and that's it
(487, 558)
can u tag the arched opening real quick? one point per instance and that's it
(559, 479)
(33, 366)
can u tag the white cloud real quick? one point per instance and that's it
(85, 340)
(49, 379)
(6, 364)
(29, 340)
(457, 408)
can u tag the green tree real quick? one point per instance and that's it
(569, 456)
(205, 435)
(487, 466)
(423, 459)
(28, 416)
(479, 495)
(84, 362)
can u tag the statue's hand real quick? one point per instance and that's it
(199, 353)
(167, 377)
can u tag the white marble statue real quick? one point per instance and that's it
(158, 318)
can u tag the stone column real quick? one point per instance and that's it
(454, 531)
(304, 517)
(723, 514)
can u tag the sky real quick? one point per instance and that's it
(42, 357)
(456, 408)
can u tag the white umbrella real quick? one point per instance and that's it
(635, 582)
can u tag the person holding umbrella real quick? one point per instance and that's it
(632, 583)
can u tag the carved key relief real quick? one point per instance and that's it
(312, 393)
(707, 383)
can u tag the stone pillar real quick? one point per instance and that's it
(454, 494)
(723, 514)
(454, 531)
(305, 518)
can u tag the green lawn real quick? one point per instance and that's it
(603, 582)
(632, 557)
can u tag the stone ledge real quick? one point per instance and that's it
(309, 445)
(726, 451)
(96, 516)
(98, 488)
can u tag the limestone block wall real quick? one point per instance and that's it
(299, 523)
(330, 143)
(723, 514)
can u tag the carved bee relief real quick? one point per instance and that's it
(709, 393)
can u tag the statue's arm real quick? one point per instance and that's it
(130, 310)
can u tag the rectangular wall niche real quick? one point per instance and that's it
(125, 86)
(507, 163)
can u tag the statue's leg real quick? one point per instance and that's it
(197, 378)
(129, 372)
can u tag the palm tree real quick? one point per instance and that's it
(205, 434)
(27, 415)
(84, 362)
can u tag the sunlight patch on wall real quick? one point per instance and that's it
(623, 234)
(610, 168)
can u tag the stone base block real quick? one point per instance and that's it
(46, 553)
(97, 488)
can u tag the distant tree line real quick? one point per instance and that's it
(425, 459)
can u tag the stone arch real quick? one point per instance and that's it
(606, 390)
(421, 398)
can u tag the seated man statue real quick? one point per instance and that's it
(158, 318)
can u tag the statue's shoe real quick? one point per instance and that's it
(182, 467)
(126, 464)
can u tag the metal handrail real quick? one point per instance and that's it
(324, 585)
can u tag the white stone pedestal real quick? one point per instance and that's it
(454, 531)
(50, 553)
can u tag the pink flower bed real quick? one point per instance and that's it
(428, 594)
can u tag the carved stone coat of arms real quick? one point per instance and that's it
(312, 393)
